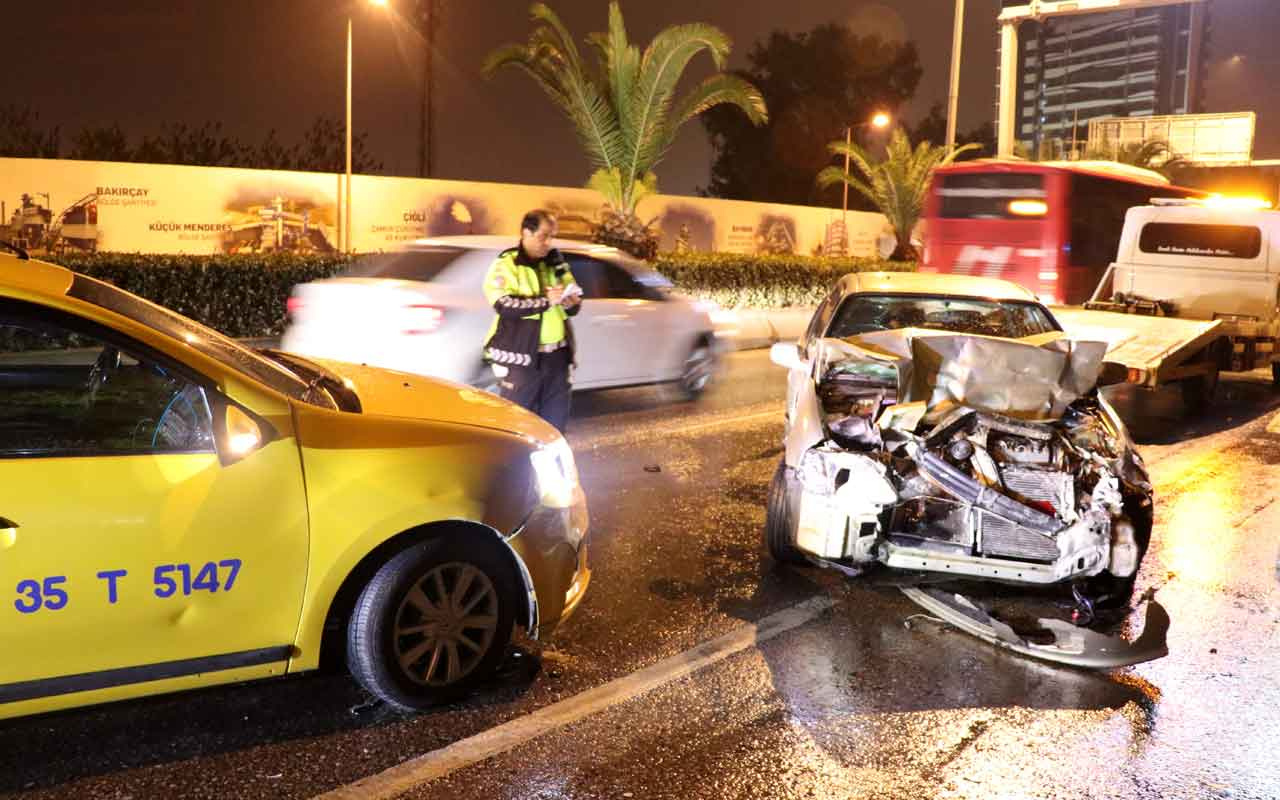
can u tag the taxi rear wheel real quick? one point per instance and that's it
(432, 624)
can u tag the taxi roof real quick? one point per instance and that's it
(39, 277)
(934, 284)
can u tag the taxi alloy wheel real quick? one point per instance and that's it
(445, 624)
(433, 623)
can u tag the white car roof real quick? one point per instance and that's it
(498, 242)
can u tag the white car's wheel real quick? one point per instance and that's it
(780, 517)
(699, 369)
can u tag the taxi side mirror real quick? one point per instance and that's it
(787, 354)
(238, 433)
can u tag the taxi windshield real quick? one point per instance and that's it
(1008, 319)
(203, 339)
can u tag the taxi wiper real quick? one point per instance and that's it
(22, 254)
(317, 377)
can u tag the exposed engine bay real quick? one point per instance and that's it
(966, 456)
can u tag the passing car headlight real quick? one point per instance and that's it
(556, 472)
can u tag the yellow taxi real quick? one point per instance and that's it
(178, 511)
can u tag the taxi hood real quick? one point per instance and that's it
(389, 393)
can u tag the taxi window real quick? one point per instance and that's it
(64, 393)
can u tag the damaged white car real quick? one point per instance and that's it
(944, 425)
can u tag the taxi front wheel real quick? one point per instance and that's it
(432, 624)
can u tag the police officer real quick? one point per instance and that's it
(531, 344)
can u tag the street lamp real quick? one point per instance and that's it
(344, 240)
(880, 120)
(953, 93)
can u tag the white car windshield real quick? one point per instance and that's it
(863, 313)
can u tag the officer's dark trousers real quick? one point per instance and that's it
(542, 388)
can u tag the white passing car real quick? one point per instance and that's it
(422, 310)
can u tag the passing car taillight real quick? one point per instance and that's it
(293, 306)
(423, 319)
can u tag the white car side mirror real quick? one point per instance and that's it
(787, 354)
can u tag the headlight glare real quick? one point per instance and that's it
(557, 474)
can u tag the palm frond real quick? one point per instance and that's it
(896, 183)
(608, 182)
(622, 104)
(661, 67)
(719, 89)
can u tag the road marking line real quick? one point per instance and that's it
(495, 741)
(608, 440)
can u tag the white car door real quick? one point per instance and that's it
(615, 330)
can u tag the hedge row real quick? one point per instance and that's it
(245, 295)
(240, 295)
(763, 281)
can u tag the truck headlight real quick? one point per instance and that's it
(556, 472)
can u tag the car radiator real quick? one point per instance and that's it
(1001, 537)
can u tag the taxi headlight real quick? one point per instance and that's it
(556, 472)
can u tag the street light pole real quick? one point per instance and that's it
(953, 96)
(346, 242)
(844, 206)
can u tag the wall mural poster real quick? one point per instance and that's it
(687, 228)
(257, 222)
(36, 226)
(775, 235)
(575, 219)
(458, 215)
(54, 206)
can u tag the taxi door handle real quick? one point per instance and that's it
(6, 523)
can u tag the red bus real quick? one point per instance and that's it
(1052, 227)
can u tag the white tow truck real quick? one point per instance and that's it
(1194, 291)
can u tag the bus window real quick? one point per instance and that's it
(1098, 206)
(987, 195)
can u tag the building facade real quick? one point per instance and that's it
(1074, 68)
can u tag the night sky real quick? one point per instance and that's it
(262, 64)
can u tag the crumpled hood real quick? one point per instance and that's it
(399, 394)
(1034, 378)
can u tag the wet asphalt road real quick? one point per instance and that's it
(850, 704)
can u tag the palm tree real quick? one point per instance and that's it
(896, 183)
(623, 105)
(1153, 154)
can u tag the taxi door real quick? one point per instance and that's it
(129, 551)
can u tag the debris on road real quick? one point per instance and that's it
(1078, 647)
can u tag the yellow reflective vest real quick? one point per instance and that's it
(526, 321)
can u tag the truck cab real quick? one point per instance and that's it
(1197, 260)
(1210, 269)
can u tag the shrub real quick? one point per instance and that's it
(763, 281)
(245, 295)
(240, 295)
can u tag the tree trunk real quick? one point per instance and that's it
(904, 250)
